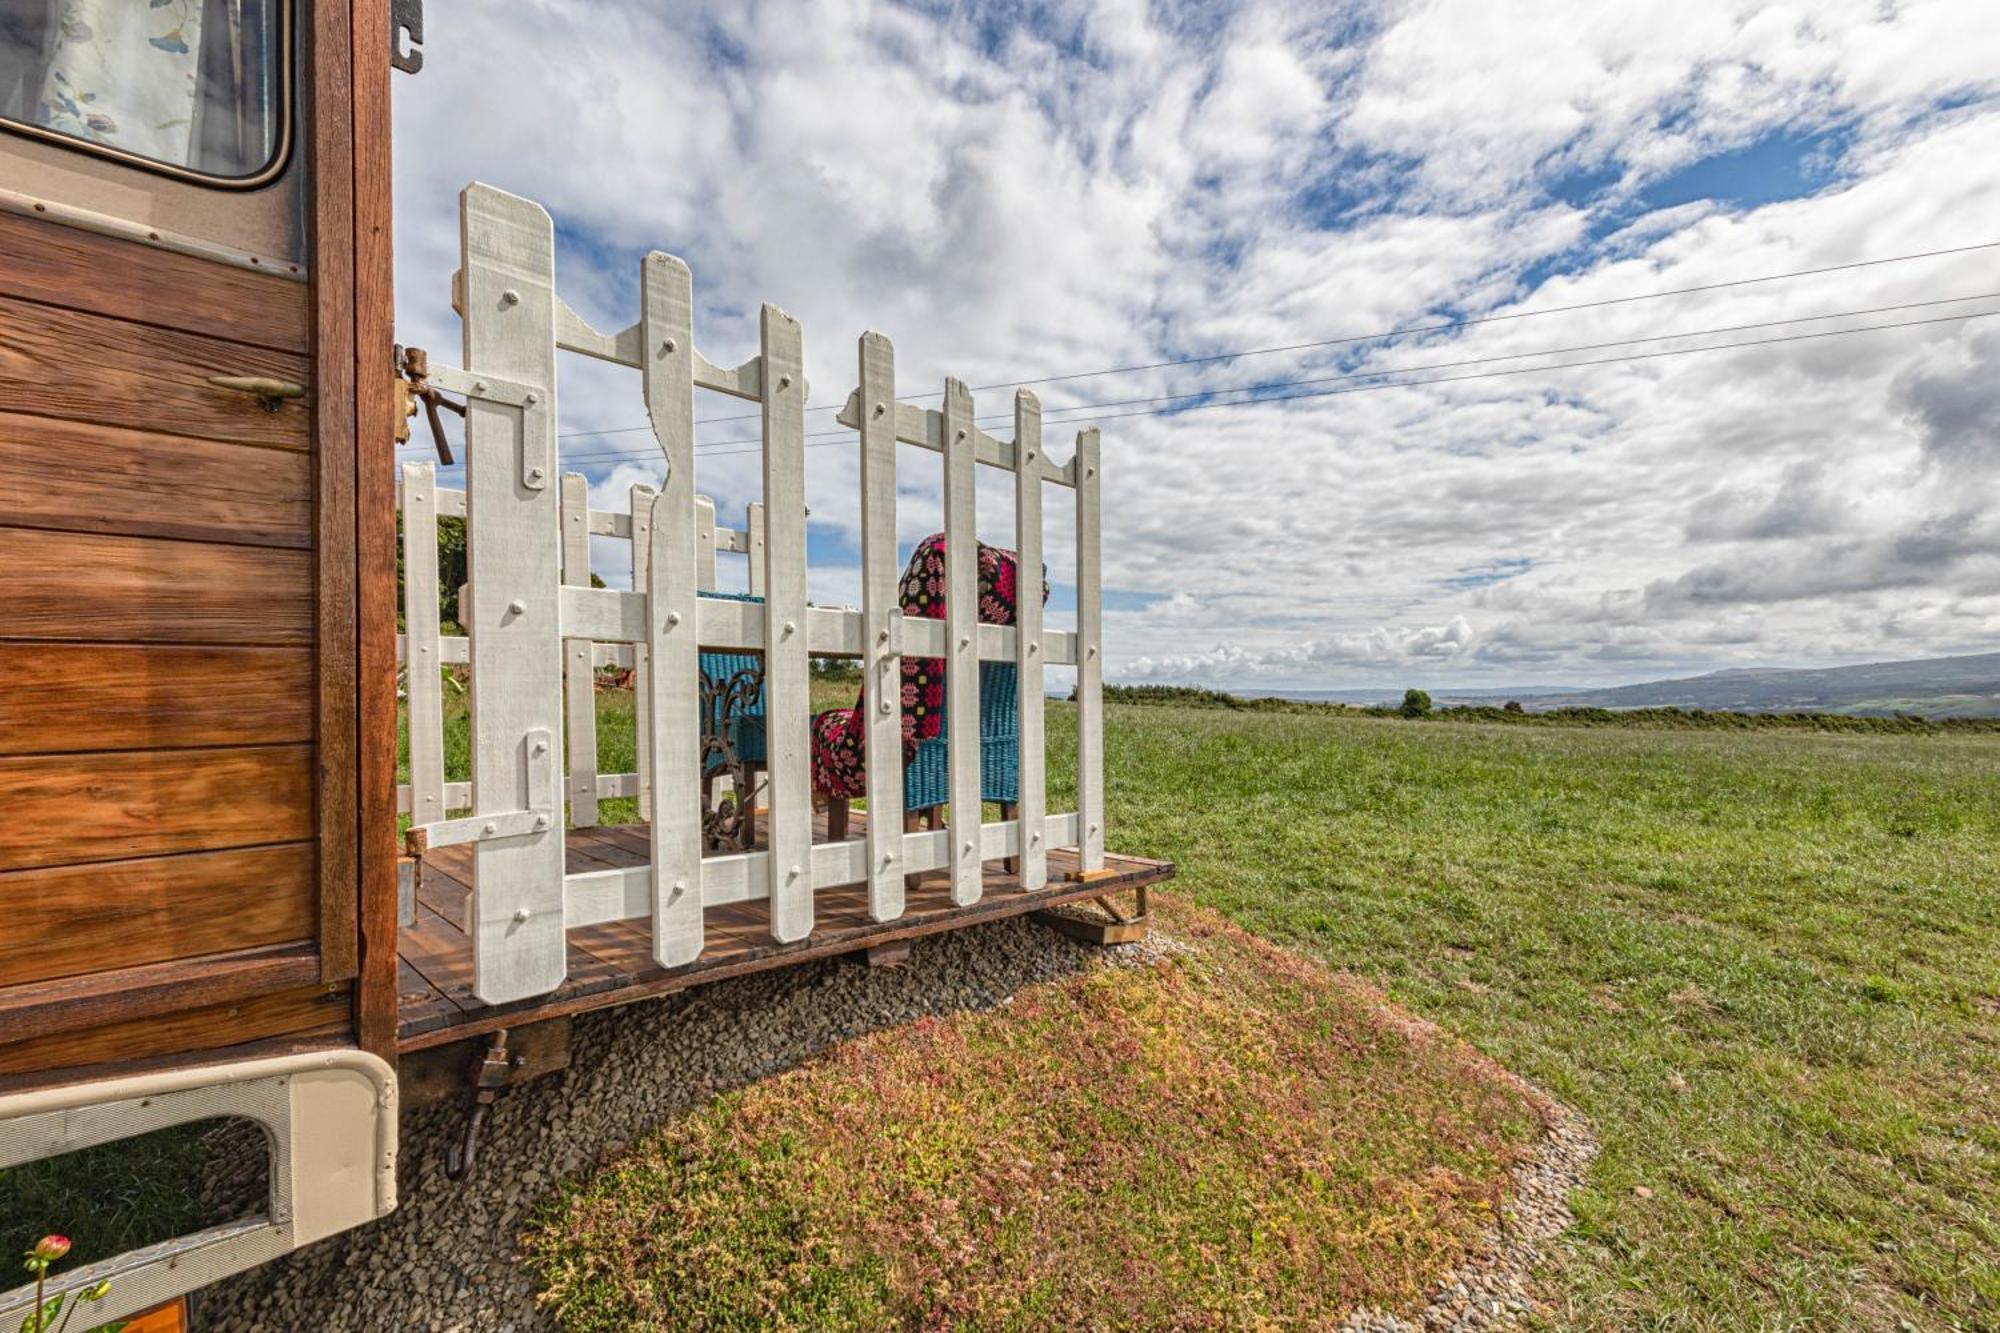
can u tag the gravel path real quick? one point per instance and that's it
(1491, 1290)
(445, 1260)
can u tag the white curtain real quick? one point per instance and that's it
(126, 73)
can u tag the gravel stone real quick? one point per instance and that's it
(447, 1260)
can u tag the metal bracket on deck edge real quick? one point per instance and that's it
(544, 814)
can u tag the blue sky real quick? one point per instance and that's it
(1016, 192)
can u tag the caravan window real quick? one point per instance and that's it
(194, 87)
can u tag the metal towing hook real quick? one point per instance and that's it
(495, 1076)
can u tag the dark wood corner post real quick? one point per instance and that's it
(354, 329)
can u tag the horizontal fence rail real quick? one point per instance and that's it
(537, 632)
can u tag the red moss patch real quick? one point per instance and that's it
(1230, 1136)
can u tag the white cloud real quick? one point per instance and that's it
(1013, 193)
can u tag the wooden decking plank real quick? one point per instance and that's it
(612, 963)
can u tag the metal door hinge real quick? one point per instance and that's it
(406, 18)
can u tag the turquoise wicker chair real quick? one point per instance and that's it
(927, 777)
(746, 719)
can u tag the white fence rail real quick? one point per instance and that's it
(537, 630)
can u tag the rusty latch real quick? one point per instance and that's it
(413, 385)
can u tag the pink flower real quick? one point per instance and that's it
(50, 1248)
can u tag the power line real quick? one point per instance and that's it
(1406, 331)
(712, 446)
(1496, 374)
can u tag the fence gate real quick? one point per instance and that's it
(535, 630)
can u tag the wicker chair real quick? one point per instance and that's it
(743, 722)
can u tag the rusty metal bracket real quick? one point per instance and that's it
(494, 1077)
(413, 386)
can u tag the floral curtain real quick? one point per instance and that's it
(126, 73)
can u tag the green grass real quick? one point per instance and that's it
(1766, 965)
(1233, 1138)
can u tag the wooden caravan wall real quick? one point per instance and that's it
(180, 643)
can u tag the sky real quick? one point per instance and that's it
(1020, 192)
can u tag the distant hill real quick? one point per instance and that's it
(1931, 686)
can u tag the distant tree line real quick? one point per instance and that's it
(1417, 706)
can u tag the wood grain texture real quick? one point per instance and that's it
(197, 1033)
(337, 449)
(80, 477)
(149, 590)
(611, 963)
(69, 809)
(375, 527)
(82, 367)
(69, 697)
(68, 920)
(53, 1008)
(66, 266)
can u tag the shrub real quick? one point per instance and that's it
(1416, 703)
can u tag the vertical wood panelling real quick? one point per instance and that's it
(881, 619)
(333, 410)
(961, 676)
(787, 666)
(642, 497)
(1089, 657)
(423, 664)
(579, 676)
(672, 556)
(375, 523)
(1033, 805)
(514, 560)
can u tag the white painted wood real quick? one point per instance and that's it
(672, 562)
(754, 531)
(734, 540)
(457, 796)
(641, 527)
(787, 666)
(881, 614)
(961, 621)
(611, 616)
(422, 651)
(610, 525)
(507, 247)
(704, 542)
(579, 670)
(1028, 659)
(1090, 653)
(924, 428)
(627, 348)
(599, 896)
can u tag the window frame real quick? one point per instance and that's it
(281, 152)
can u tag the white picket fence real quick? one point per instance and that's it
(536, 629)
(428, 796)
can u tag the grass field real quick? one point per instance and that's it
(1763, 963)
(1766, 965)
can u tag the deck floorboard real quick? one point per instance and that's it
(613, 963)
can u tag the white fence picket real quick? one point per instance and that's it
(753, 528)
(787, 667)
(961, 627)
(1033, 804)
(1089, 656)
(422, 661)
(672, 561)
(579, 675)
(642, 497)
(704, 538)
(881, 615)
(514, 558)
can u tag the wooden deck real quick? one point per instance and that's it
(613, 964)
